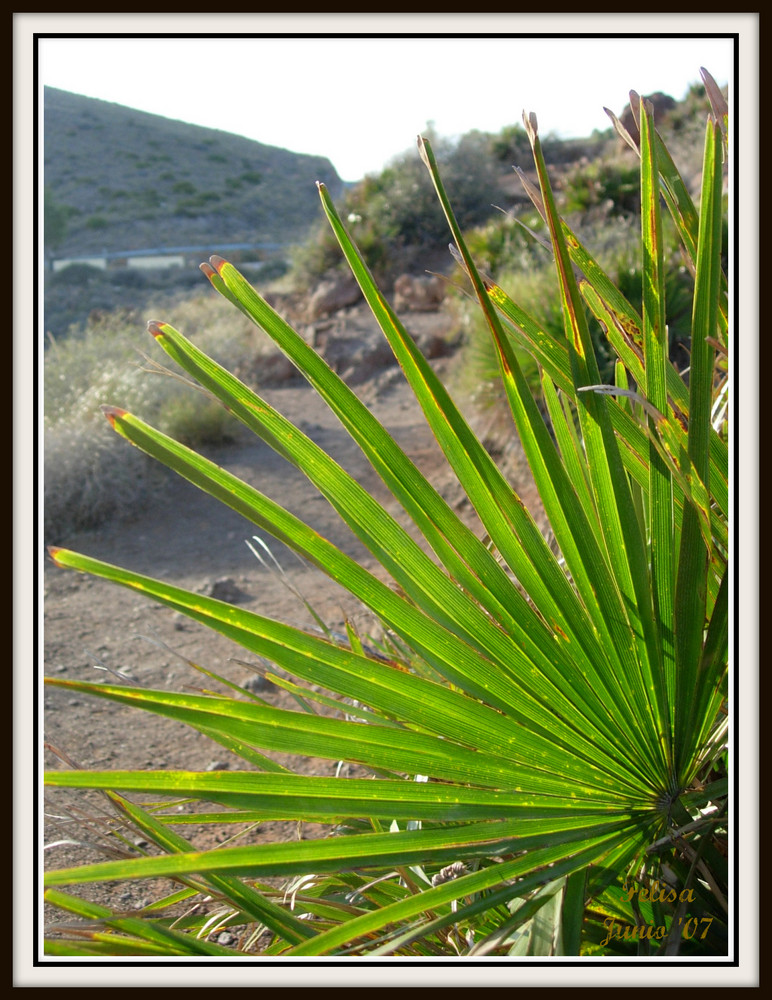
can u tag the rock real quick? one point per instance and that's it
(258, 683)
(358, 361)
(433, 333)
(276, 369)
(422, 293)
(224, 589)
(355, 350)
(331, 295)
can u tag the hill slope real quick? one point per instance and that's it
(127, 180)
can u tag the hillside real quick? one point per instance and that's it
(119, 181)
(125, 180)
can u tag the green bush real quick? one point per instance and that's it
(84, 275)
(56, 217)
(507, 243)
(545, 724)
(135, 278)
(508, 249)
(602, 183)
(511, 254)
(394, 216)
(194, 420)
(512, 148)
(195, 204)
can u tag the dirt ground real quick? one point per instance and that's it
(186, 537)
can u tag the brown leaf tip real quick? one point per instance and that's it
(207, 269)
(531, 125)
(217, 262)
(113, 413)
(156, 328)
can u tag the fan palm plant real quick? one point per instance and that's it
(545, 724)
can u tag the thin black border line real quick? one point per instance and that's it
(396, 34)
(360, 962)
(37, 557)
(734, 805)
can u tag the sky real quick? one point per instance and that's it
(360, 101)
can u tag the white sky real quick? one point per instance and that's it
(360, 101)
